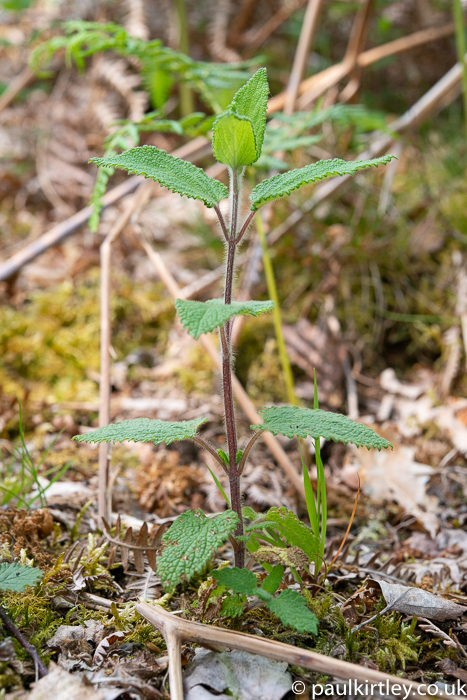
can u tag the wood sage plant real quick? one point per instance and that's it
(277, 537)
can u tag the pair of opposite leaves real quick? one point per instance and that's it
(238, 135)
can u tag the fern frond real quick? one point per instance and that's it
(139, 543)
(217, 33)
(84, 39)
(114, 73)
(135, 20)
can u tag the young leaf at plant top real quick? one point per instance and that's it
(175, 174)
(14, 577)
(190, 543)
(144, 430)
(252, 101)
(292, 421)
(200, 317)
(233, 141)
(284, 183)
(238, 133)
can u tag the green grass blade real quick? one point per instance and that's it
(219, 486)
(310, 497)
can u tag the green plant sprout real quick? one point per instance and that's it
(20, 474)
(238, 135)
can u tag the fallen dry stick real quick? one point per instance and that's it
(141, 196)
(16, 85)
(239, 392)
(197, 148)
(176, 631)
(310, 22)
(366, 58)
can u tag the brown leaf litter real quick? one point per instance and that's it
(24, 529)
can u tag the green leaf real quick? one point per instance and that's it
(14, 577)
(292, 530)
(252, 101)
(291, 609)
(219, 486)
(175, 174)
(272, 582)
(249, 513)
(144, 430)
(200, 317)
(285, 183)
(233, 140)
(232, 606)
(237, 580)
(303, 422)
(189, 544)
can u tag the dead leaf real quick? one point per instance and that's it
(394, 474)
(389, 382)
(61, 685)
(430, 627)
(288, 556)
(448, 667)
(103, 647)
(416, 601)
(94, 631)
(66, 634)
(448, 418)
(235, 675)
(7, 650)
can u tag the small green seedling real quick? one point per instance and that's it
(238, 135)
(289, 606)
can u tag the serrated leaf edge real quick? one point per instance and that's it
(359, 165)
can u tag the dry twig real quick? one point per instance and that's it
(176, 631)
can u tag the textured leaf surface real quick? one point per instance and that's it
(295, 533)
(175, 174)
(200, 317)
(233, 140)
(189, 545)
(291, 609)
(273, 580)
(232, 606)
(285, 183)
(14, 577)
(291, 421)
(252, 101)
(144, 430)
(237, 580)
(288, 556)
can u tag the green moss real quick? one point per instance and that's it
(51, 360)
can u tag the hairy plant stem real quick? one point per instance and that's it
(225, 334)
